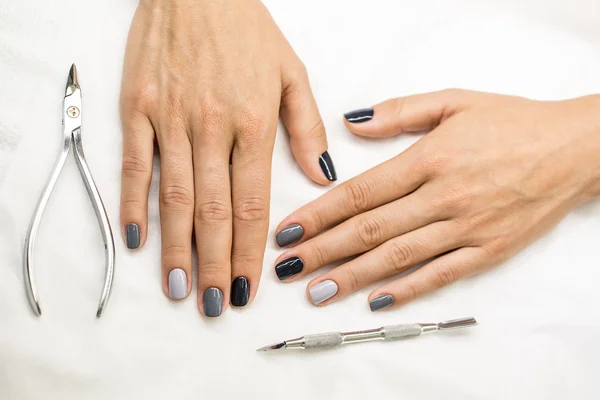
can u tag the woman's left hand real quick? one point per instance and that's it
(493, 174)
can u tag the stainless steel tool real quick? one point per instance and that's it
(393, 332)
(72, 112)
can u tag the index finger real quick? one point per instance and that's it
(380, 185)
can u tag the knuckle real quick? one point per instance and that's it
(319, 254)
(131, 204)
(141, 98)
(247, 261)
(370, 232)
(212, 269)
(433, 164)
(453, 198)
(211, 211)
(399, 256)
(134, 167)
(253, 120)
(352, 280)
(498, 248)
(172, 253)
(444, 276)
(318, 221)
(398, 106)
(358, 196)
(299, 72)
(412, 291)
(176, 196)
(251, 209)
(212, 115)
(317, 131)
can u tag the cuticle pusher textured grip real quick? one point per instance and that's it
(395, 332)
(322, 340)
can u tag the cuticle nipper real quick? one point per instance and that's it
(72, 112)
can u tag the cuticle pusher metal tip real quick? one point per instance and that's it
(393, 332)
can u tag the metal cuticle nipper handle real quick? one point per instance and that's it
(71, 135)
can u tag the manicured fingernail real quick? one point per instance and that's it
(323, 291)
(381, 302)
(133, 236)
(289, 267)
(213, 302)
(327, 166)
(177, 284)
(240, 292)
(360, 116)
(289, 235)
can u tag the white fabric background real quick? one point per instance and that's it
(539, 313)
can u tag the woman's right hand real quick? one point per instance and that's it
(494, 173)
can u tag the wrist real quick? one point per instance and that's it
(589, 122)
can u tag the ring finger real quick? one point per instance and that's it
(391, 258)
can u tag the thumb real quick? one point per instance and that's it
(417, 113)
(301, 117)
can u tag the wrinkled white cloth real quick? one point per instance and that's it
(539, 313)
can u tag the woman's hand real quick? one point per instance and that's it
(206, 80)
(494, 173)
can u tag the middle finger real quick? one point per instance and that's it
(358, 235)
(212, 225)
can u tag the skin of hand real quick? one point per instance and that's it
(206, 81)
(493, 174)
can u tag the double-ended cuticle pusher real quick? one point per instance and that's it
(72, 112)
(393, 332)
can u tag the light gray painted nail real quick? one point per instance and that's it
(289, 235)
(381, 302)
(177, 284)
(323, 291)
(133, 236)
(213, 302)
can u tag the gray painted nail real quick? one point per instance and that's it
(133, 236)
(323, 291)
(289, 235)
(177, 284)
(213, 302)
(381, 302)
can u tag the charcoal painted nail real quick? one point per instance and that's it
(360, 116)
(213, 302)
(133, 236)
(289, 267)
(289, 235)
(327, 166)
(381, 302)
(177, 284)
(323, 291)
(240, 292)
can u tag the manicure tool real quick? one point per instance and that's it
(71, 138)
(394, 332)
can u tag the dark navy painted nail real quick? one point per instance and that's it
(288, 268)
(359, 116)
(133, 236)
(381, 302)
(289, 235)
(240, 292)
(327, 166)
